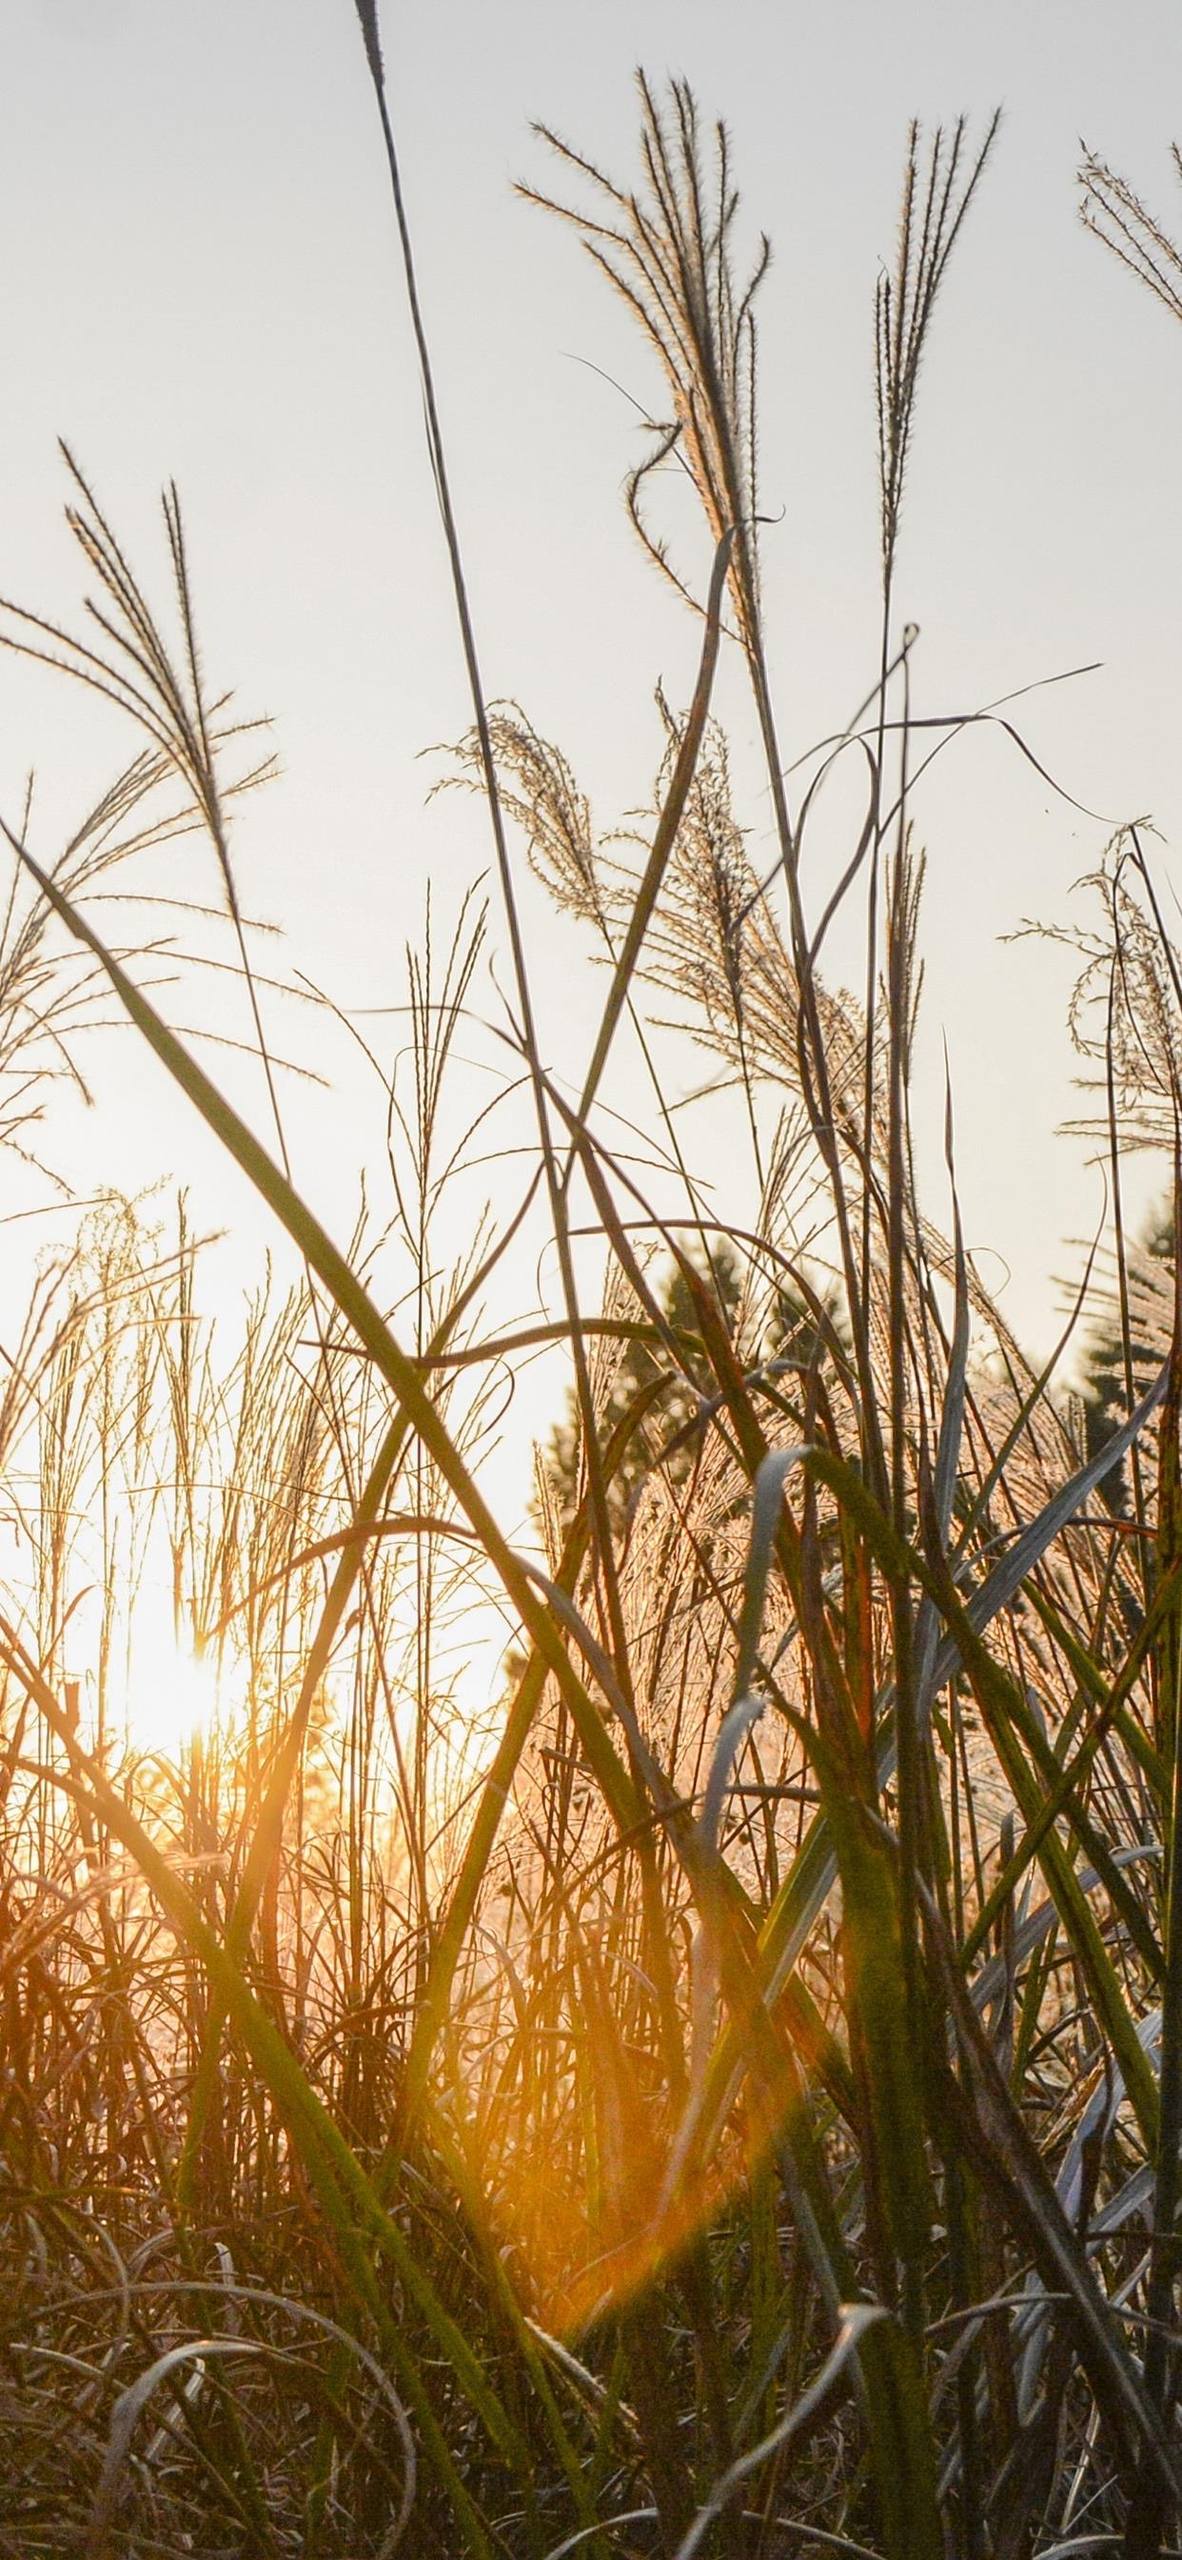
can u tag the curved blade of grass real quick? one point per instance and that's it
(806, 2413)
(131, 2404)
(1007, 2157)
(1108, 1698)
(805, 1890)
(1022, 1751)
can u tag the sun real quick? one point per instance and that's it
(173, 1691)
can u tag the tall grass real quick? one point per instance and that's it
(727, 2096)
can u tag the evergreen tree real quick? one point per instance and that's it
(665, 1435)
(1106, 1368)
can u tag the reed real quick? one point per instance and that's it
(719, 2090)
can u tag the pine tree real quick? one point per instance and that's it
(1107, 1369)
(669, 1434)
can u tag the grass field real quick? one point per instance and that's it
(720, 2090)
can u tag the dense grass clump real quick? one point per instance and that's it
(722, 2092)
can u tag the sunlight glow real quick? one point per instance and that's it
(172, 1693)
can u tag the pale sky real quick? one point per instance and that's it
(200, 279)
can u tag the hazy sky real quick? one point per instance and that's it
(200, 280)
